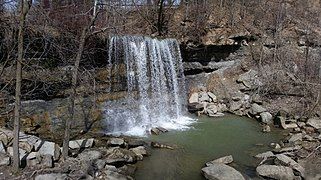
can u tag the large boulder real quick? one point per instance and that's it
(284, 160)
(220, 171)
(81, 143)
(314, 122)
(50, 148)
(224, 160)
(296, 137)
(275, 172)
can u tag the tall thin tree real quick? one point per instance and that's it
(24, 8)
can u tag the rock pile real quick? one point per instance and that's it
(113, 161)
(204, 102)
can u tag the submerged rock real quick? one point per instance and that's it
(275, 172)
(222, 172)
(224, 160)
(159, 145)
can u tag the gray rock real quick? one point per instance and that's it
(211, 110)
(224, 160)
(47, 161)
(194, 107)
(115, 142)
(2, 148)
(111, 168)
(212, 96)
(266, 118)
(250, 79)
(53, 176)
(266, 128)
(314, 122)
(33, 159)
(288, 149)
(127, 169)
(50, 148)
(296, 137)
(26, 146)
(22, 153)
(139, 151)
(290, 126)
(221, 171)
(222, 108)
(275, 172)
(118, 155)
(81, 143)
(4, 160)
(203, 97)
(234, 106)
(193, 98)
(100, 164)
(284, 160)
(112, 175)
(89, 155)
(135, 143)
(6, 136)
(301, 124)
(155, 131)
(257, 109)
(265, 155)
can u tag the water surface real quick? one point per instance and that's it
(208, 139)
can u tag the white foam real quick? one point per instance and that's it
(180, 124)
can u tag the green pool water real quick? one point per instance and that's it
(208, 139)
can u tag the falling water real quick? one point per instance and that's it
(154, 82)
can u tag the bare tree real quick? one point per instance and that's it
(24, 8)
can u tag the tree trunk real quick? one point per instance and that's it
(24, 10)
(82, 42)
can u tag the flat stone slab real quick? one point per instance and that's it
(222, 172)
(275, 172)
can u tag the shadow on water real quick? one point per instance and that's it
(208, 139)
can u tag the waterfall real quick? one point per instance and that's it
(154, 84)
